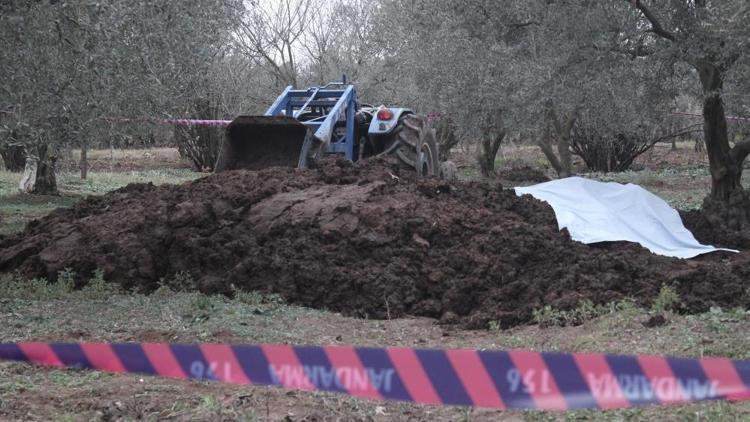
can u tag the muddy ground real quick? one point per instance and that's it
(367, 240)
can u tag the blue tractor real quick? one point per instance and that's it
(303, 125)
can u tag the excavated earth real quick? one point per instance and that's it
(367, 240)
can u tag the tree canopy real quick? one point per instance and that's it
(553, 72)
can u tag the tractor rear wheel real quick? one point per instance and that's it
(416, 146)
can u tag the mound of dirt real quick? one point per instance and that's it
(710, 234)
(367, 240)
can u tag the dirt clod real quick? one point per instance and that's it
(355, 239)
(657, 320)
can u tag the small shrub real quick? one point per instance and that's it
(14, 286)
(183, 278)
(98, 287)
(210, 405)
(256, 298)
(181, 281)
(200, 144)
(198, 309)
(667, 300)
(608, 152)
(585, 311)
(548, 317)
(627, 306)
(718, 315)
(162, 292)
(66, 279)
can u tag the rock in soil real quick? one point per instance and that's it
(368, 240)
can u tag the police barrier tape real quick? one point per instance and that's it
(196, 122)
(176, 122)
(487, 379)
(432, 117)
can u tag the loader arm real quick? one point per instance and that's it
(298, 128)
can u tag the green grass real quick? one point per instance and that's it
(51, 313)
(518, 161)
(683, 188)
(102, 182)
(17, 209)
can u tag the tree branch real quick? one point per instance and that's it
(684, 131)
(523, 24)
(656, 26)
(740, 151)
(633, 53)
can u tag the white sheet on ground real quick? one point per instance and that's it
(595, 211)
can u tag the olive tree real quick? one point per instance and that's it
(68, 65)
(528, 67)
(450, 58)
(713, 38)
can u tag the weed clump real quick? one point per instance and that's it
(667, 300)
(585, 311)
(255, 298)
(99, 288)
(198, 309)
(15, 286)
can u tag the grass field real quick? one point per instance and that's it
(17, 209)
(40, 311)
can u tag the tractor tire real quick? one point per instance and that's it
(415, 145)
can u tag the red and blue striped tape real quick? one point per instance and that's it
(176, 122)
(487, 379)
(196, 122)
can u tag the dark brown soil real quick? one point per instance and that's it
(523, 174)
(366, 240)
(707, 233)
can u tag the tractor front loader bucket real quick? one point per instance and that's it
(258, 142)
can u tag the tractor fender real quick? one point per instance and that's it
(384, 127)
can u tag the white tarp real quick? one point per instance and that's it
(603, 212)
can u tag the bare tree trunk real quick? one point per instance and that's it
(563, 148)
(563, 161)
(487, 151)
(14, 157)
(84, 163)
(728, 204)
(493, 133)
(446, 137)
(39, 175)
(545, 144)
(46, 182)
